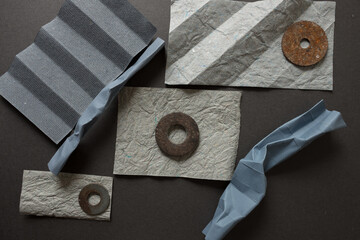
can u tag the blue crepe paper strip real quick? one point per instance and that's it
(98, 106)
(248, 185)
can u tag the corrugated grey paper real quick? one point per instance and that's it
(231, 43)
(86, 46)
(44, 194)
(217, 114)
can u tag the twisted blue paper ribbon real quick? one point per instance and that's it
(248, 185)
(98, 106)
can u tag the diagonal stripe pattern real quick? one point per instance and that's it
(88, 45)
(222, 41)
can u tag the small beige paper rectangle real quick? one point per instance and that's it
(45, 194)
(217, 114)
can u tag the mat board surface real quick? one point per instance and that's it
(178, 207)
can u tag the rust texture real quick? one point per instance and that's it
(166, 124)
(87, 192)
(304, 30)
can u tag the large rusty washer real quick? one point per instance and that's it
(166, 124)
(87, 192)
(304, 30)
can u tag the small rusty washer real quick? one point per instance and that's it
(304, 30)
(94, 189)
(166, 124)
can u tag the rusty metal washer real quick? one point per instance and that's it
(166, 124)
(304, 30)
(94, 189)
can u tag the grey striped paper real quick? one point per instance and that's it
(87, 45)
(232, 43)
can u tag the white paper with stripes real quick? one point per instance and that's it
(234, 43)
(88, 44)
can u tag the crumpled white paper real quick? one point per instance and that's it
(231, 43)
(45, 194)
(217, 114)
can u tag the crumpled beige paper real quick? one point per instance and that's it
(44, 194)
(217, 114)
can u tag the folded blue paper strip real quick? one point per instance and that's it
(248, 185)
(98, 106)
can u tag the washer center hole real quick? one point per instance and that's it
(304, 43)
(94, 199)
(177, 134)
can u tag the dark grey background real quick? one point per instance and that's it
(313, 195)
